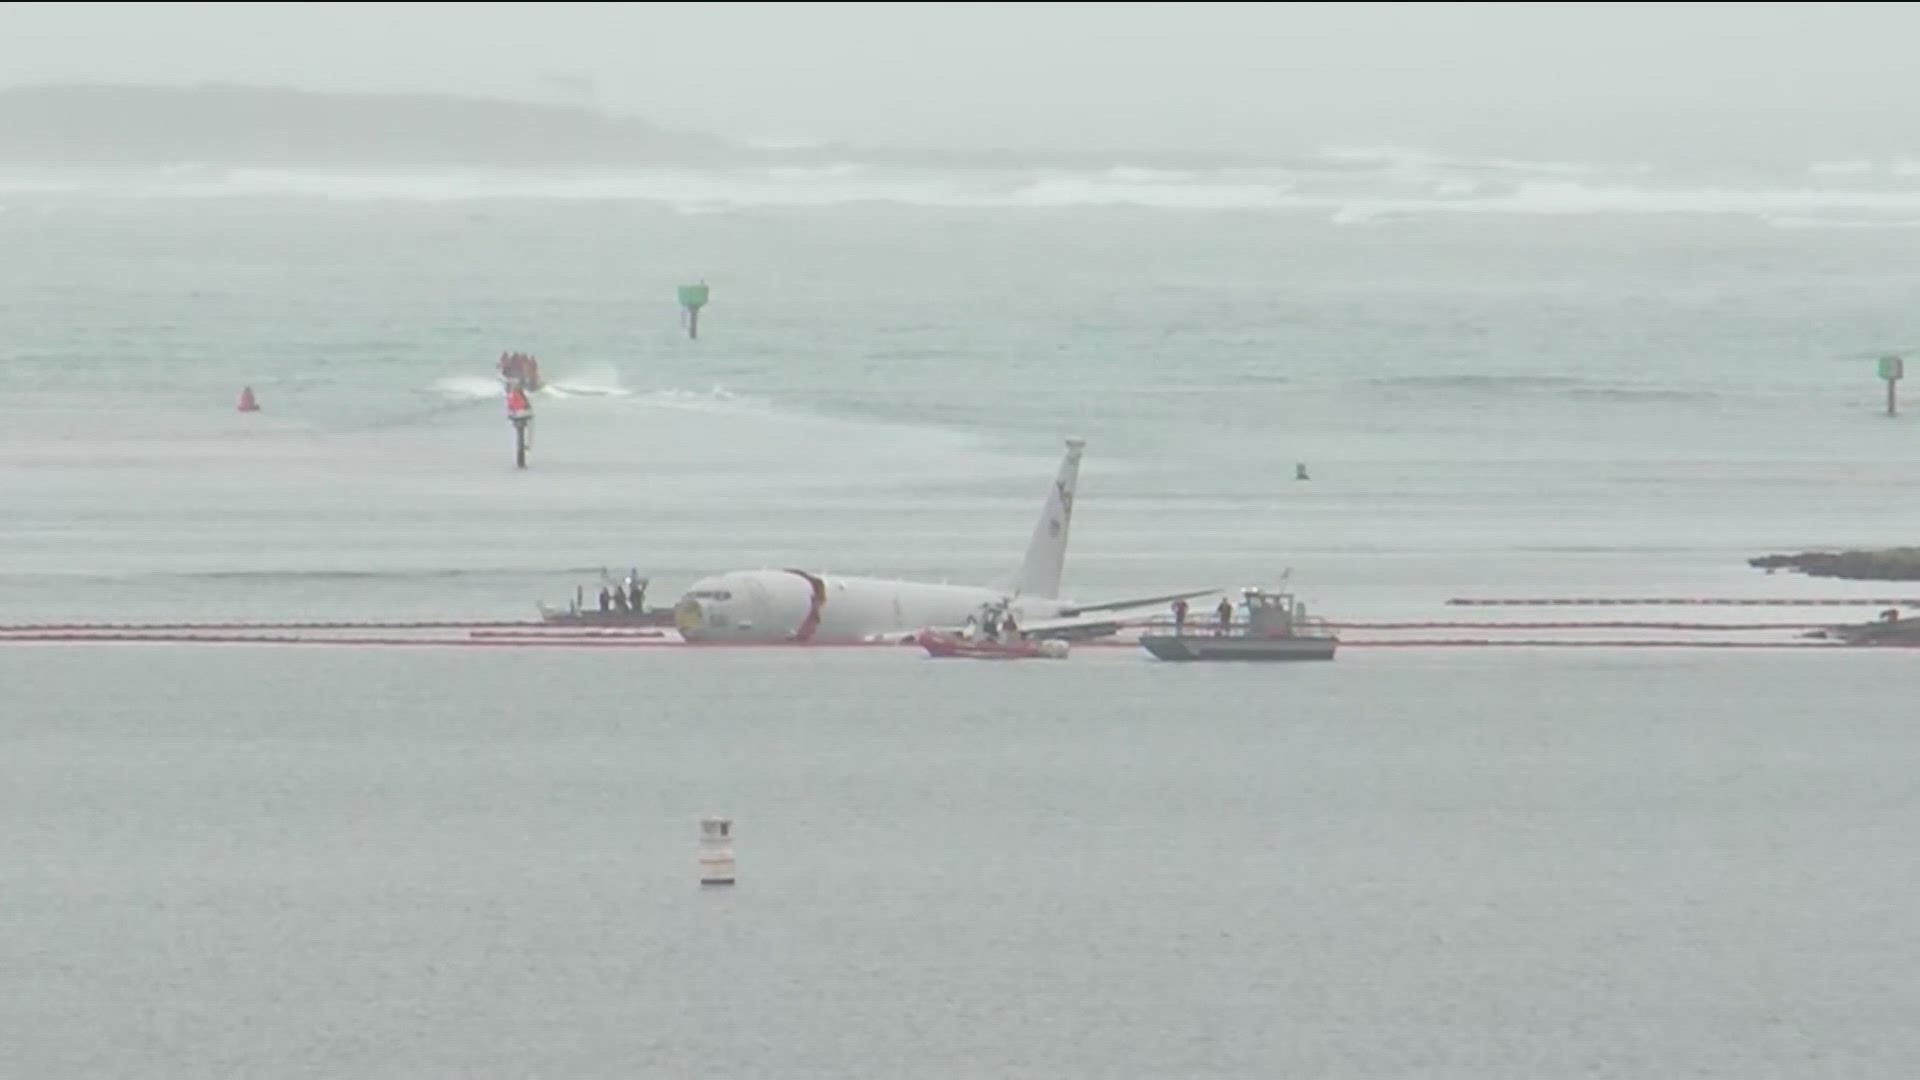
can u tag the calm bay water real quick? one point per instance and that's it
(1457, 864)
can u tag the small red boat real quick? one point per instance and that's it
(940, 644)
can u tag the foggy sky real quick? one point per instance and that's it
(1616, 80)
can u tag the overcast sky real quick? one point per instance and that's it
(1537, 80)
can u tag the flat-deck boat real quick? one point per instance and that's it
(1276, 627)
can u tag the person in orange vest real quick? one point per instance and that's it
(517, 403)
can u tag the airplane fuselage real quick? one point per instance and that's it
(800, 606)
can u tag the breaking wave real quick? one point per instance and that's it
(1347, 187)
(462, 388)
(469, 388)
(1425, 162)
(1779, 207)
(590, 380)
(714, 399)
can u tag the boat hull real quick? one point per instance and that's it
(1189, 647)
(616, 617)
(949, 646)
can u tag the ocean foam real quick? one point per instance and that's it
(1393, 185)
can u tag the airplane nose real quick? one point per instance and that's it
(688, 618)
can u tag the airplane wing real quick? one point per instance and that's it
(1145, 601)
(1071, 629)
(1073, 623)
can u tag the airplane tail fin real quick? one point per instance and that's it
(1047, 551)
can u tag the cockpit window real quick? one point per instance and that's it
(710, 594)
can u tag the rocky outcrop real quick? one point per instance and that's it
(1880, 564)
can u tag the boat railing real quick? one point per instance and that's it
(1239, 628)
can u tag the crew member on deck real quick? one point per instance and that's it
(606, 601)
(1226, 613)
(1180, 616)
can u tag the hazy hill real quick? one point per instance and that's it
(253, 125)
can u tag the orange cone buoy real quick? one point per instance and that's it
(247, 403)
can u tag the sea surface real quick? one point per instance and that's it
(1504, 380)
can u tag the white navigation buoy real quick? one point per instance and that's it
(716, 851)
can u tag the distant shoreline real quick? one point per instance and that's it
(1869, 564)
(116, 126)
(98, 126)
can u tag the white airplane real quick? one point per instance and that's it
(803, 606)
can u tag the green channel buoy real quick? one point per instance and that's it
(692, 299)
